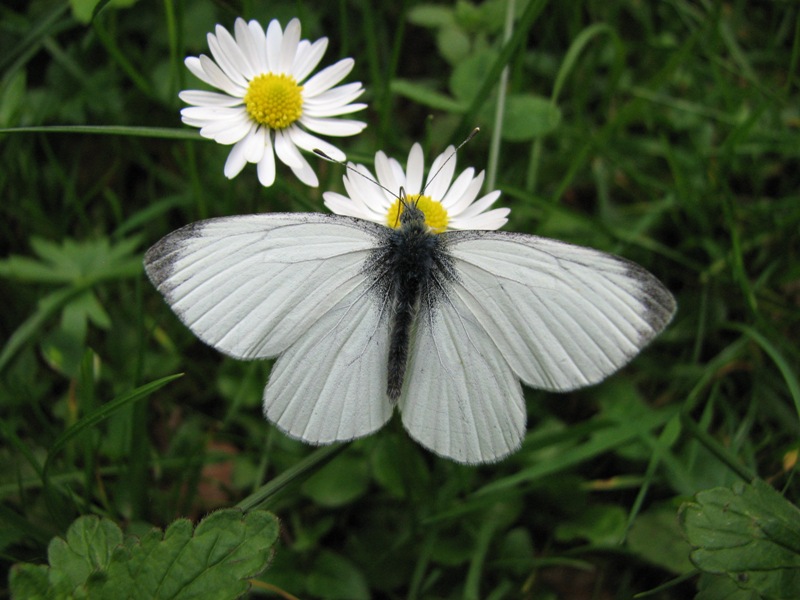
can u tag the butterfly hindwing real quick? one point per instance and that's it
(330, 385)
(461, 398)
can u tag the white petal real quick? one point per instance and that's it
(236, 160)
(291, 38)
(195, 65)
(481, 205)
(470, 193)
(415, 168)
(488, 221)
(342, 205)
(249, 47)
(356, 182)
(260, 41)
(363, 188)
(493, 219)
(274, 40)
(305, 173)
(213, 114)
(286, 150)
(255, 144)
(335, 127)
(389, 177)
(217, 78)
(333, 112)
(327, 78)
(228, 55)
(309, 142)
(337, 96)
(227, 132)
(266, 166)
(457, 189)
(441, 174)
(214, 76)
(308, 58)
(203, 98)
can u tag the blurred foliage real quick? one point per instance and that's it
(666, 132)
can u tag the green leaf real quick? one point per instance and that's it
(344, 480)
(430, 15)
(468, 75)
(656, 537)
(719, 587)
(527, 117)
(87, 549)
(426, 96)
(84, 10)
(333, 577)
(397, 471)
(212, 561)
(602, 525)
(750, 533)
(29, 582)
(453, 43)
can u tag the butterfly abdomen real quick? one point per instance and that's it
(408, 257)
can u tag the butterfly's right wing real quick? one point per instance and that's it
(563, 316)
(515, 307)
(259, 286)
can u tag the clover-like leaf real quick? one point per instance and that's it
(213, 560)
(750, 533)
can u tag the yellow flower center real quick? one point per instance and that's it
(435, 213)
(274, 100)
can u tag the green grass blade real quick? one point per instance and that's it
(98, 415)
(304, 468)
(165, 133)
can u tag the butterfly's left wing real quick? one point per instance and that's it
(287, 285)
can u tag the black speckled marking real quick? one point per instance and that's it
(409, 266)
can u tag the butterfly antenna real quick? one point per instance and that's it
(471, 135)
(352, 169)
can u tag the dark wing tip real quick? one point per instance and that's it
(159, 260)
(659, 303)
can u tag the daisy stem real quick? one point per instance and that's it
(497, 130)
(517, 40)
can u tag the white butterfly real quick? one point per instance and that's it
(363, 318)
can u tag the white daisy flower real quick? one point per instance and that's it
(447, 204)
(268, 105)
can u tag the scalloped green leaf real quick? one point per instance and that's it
(750, 533)
(87, 549)
(30, 582)
(527, 117)
(213, 560)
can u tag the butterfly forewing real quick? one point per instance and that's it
(562, 316)
(251, 285)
